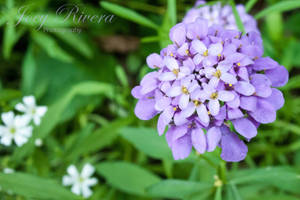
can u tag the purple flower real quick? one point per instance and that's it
(209, 78)
(218, 15)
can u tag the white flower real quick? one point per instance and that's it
(30, 109)
(81, 182)
(16, 128)
(8, 170)
(38, 142)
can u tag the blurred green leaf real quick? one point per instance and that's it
(128, 14)
(148, 141)
(279, 7)
(34, 187)
(274, 26)
(218, 195)
(237, 17)
(177, 189)
(50, 46)
(250, 4)
(9, 38)
(100, 138)
(127, 177)
(282, 177)
(171, 9)
(121, 75)
(76, 42)
(28, 71)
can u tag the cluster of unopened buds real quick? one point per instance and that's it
(210, 87)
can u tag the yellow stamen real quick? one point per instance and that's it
(184, 90)
(205, 53)
(236, 37)
(230, 85)
(217, 73)
(219, 55)
(187, 52)
(208, 113)
(171, 54)
(175, 71)
(214, 95)
(238, 64)
(196, 102)
(174, 108)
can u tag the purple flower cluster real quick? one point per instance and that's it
(209, 78)
(223, 16)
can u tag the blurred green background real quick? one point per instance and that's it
(85, 79)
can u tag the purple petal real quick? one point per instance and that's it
(228, 78)
(174, 91)
(264, 112)
(136, 92)
(248, 103)
(235, 103)
(167, 76)
(276, 99)
(198, 46)
(213, 138)
(181, 148)
(162, 103)
(189, 110)
(184, 101)
(245, 127)
(233, 149)
(183, 50)
(180, 131)
(262, 85)
(178, 34)
(144, 109)
(243, 73)
(279, 76)
(202, 114)
(234, 113)
(154, 61)
(199, 140)
(244, 88)
(224, 95)
(198, 29)
(214, 107)
(264, 64)
(169, 135)
(171, 63)
(215, 49)
(164, 119)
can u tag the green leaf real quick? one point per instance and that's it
(34, 187)
(172, 11)
(121, 75)
(274, 26)
(28, 71)
(100, 138)
(148, 141)
(76, 42)
(279, 7)
(250, 4)
(9, 38)
(128, 14)
(237, 17)
(293, 83)
(177, 188)
(218, 194)
(50, 46)
(127, 177)
(282, 177)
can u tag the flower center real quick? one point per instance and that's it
(217, 73)
(205, 53)
(184, 90)
(174, 108)
(12, 130)
(175, 71)
(196, 103)
(214, 95)
(238, 64)
(33, 111)
(81, 180)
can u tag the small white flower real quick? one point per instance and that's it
(16, 128)
(30, 109)
(38, 142)
(8, 170)
(81, 182)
